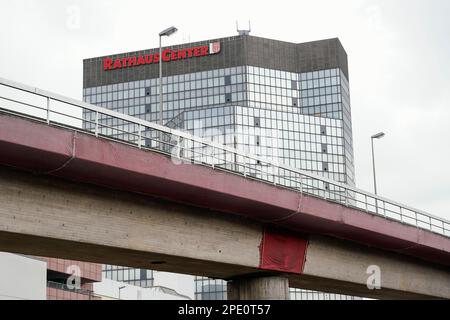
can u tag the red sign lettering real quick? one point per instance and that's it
(168, 55)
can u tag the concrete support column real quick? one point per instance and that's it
(259, 288)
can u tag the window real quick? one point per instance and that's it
(227, 80)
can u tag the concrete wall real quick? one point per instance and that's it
(22, 278)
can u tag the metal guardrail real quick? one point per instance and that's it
(53, 110)
(65, 287)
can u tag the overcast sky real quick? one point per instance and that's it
(398, 52)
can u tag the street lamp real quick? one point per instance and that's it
(120, 288)
(168, 32)
(376, 136)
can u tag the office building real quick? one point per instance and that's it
(286, 102)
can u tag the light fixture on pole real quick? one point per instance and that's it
(167, 32)
(375, 136)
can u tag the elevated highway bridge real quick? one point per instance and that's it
(186, 205)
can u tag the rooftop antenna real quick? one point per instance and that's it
(244, 32)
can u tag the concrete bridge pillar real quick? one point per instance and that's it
(259, 288)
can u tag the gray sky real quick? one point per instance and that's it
(398, 58)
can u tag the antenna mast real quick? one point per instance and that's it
(244, 32)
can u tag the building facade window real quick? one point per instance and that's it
(137, 277)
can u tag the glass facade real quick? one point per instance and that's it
(299, 119)
(298, 294)
(137, 277)
(210, 289)
(302, 120)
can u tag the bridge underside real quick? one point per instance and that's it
(47, 216)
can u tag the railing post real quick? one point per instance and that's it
(139, 136)
(96, 123)
(160, 140)
(301, 184)
(245, 167)
(179, 147)
(48, 110)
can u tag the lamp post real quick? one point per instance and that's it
(167, 32)
(376, 136)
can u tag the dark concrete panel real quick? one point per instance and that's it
(235, 51)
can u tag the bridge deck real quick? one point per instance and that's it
(76, 156)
